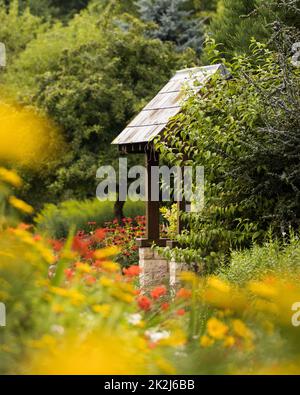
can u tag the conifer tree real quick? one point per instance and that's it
(236, 22)
(174, 22)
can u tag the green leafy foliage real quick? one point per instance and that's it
(262, 261)
(244, 131)
(54, 8)
(17, 28)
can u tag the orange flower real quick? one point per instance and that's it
(184, 293)
(24, 226)
(132, 271)
(144, 303)
(158, 292)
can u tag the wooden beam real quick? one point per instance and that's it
(180, 224)
(152, 208)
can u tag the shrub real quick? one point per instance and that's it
(56, 221)
(259, 262)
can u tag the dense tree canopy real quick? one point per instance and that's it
(17, 28)
(52, 8)
(90, 76)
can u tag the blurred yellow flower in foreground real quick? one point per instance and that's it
(27, 138)
(216, 328)
(20, 205)
(241, 330)
(106, 252)
(10, 177)
(206, 341)
(103, 309)
(229, 341)
(98, 353)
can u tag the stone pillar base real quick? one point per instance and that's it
(154, 268)
(175, 270)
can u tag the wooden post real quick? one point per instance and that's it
(180, 208)
(152, 208)
(152, 233)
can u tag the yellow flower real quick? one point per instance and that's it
(46, 253)
(83, 267)
(59, 291)
(45, 341)
(111, 267)
(216, 328)
(27, 138)
(106, 252)
(189, 277)
(241, 330)
(106, 282)
(218, 284)
(10, 177)
(76, 297)
(229, 341)
(57, 308)
(20, 205)
(206, 341)
(176, 339)
(262, 289)
(265, 306)
(98, 353)
(124, 297)
(103, 309)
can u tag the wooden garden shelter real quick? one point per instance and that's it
(138, 136)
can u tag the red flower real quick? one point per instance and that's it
(180, 312)
(97, 264)
(57, 245)
(90, 280)
(144, 303)
(158, 292)
(132, 271)
(99, 234)
(184, 293)
(81, 246)
(165, 306)
(69, 273)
